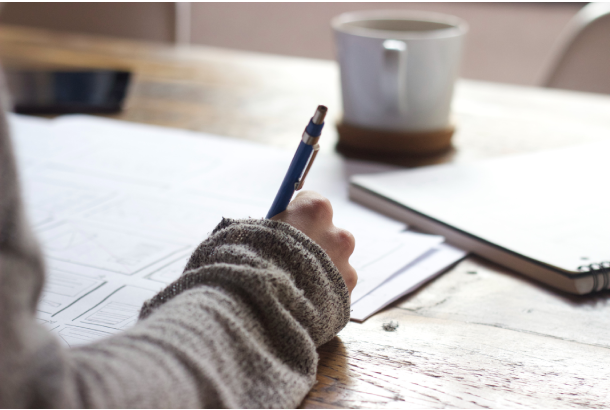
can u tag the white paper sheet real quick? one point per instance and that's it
(63, 289)
(407, 280)
(386, 256)
(119, 207)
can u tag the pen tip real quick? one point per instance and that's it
(318, 117)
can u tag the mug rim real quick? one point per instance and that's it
(458, 26)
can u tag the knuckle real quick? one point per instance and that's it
(345, 241)
(351, 278)
(320, 207)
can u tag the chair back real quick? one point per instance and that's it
(581, 59)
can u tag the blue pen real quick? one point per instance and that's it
(301, 162)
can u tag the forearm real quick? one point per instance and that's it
(204, 348)
(238, 329)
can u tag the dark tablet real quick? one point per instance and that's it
(62, 92)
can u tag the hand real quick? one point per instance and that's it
(312, 214)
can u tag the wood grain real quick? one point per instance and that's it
(479, 335)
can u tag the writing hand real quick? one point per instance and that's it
(312, 214)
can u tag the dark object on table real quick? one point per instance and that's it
(390, 326)
(64, 92)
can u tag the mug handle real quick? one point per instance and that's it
(394, 79)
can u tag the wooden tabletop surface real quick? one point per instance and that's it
(479, 335)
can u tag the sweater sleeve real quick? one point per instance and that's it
(239, 328)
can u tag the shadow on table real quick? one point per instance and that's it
(332, 377)
(465, 277)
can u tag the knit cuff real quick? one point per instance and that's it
(269, 245)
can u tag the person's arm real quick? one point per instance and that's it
(238, 329)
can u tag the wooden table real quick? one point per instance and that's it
(478, 336)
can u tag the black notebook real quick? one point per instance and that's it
(545, 215)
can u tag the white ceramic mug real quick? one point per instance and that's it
(398, 68)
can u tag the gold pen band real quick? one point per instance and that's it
(309, 140)
(299, 184)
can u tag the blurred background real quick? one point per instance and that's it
(508, 42)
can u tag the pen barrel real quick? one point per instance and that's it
(284, 194)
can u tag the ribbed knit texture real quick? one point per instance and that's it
(238, 329)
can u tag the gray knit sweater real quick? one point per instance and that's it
(239, 328)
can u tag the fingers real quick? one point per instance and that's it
(338, 243)
(349, 276)
(308, 205)
(345, 242)
(313, 207)
(312, 214)
(309, 212)
(344, 245)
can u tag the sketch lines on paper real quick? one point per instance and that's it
(106, 249)
(117, 311)
(170, 272)
(75, 335)
(63, 289)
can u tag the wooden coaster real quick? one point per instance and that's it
(392, 146)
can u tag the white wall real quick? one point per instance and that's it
(508, 42)
(145, 21)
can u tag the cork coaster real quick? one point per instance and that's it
(391, 146)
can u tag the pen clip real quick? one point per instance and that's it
(299, 184)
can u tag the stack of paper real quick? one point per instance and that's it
(410, 277)
(119, 207)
